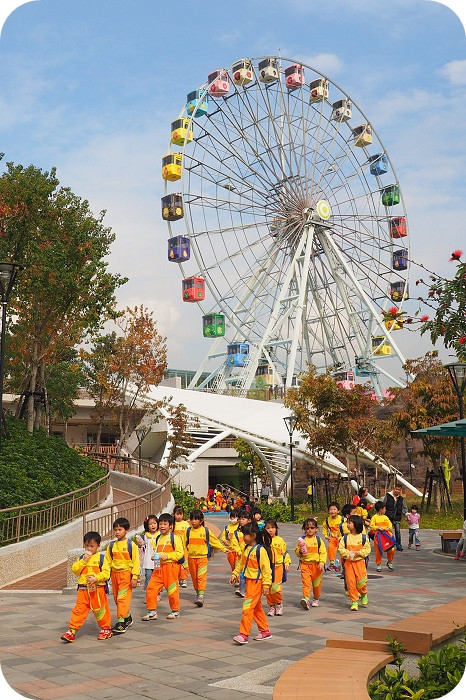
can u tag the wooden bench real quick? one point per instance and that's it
(450, 539)
(421, 632)
(345, 666)
(336, 671)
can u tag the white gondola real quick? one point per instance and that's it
(318, 90)
(342, 110)
(268, 70)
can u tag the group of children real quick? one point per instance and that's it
(171, 547)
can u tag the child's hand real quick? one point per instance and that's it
(163, 556)
(134, 582)
(91, 579)
(321, 567)
(287, 567)
(266, 590)
(232, 580)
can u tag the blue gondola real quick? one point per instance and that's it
(178, 249)
(378, 164)
(400, 259)
(197, 101)
(237, 354)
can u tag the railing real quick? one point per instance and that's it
(22, 522)
(134, 509)
(123, 463)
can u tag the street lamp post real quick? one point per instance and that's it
(409, 452)
(457, 372)
(291, 422)
(141, 434)
(8, 274)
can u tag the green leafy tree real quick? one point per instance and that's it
(447, 298)
(63, 384)
(338, 420)
(249, 461)
(65, 291)
(99, 380)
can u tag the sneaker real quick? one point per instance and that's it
(271, 611)
(173, 614)
(262, 636)
(236, 584)
(410, 546)
(457, 556)
(239, 593)
(379, 567)
(315, 603)
(305, 604)
(183, 584)
(128, 621)
(150, 615)
(354, 605)
(119, 628)
(199, 601)
(389, 566)
(337, 569)
(241, 639)
(279, 609)
(105, 634)
(418, 546)
(331, 567)
(461, 554)
(68, 636)
(364, 599)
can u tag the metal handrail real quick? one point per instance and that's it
(30, 519)
(134, 509)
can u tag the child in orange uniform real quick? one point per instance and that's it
(331, 531)
(168, 554)
(381, 524)
(93, 573)
(180, 526)
(255, 565)
(354, 548)
(312, 556)
(199, 543)
(281, 561)
(229, 534)
(123, 560)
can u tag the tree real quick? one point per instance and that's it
(250, 461)
(122, 367)
(65, 291)
(448, 300)
(98, 373)
(178, 437)
(337, 420)
(428, 400)
(63, 383)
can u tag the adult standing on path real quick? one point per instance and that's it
(265, 491)
(396, 510)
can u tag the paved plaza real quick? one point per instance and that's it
(194, 656)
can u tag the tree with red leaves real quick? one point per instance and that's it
(447, 297)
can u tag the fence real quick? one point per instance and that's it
(22, 522)
(135, 509)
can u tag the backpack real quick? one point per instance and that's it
(364, 538)
(207, 540)
(101, 563)
(130, 548)
(172, 540)
(258, 547)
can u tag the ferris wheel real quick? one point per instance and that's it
(288, 223)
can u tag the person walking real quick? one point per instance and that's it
(396, 510)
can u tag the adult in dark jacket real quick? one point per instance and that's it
(396, 509)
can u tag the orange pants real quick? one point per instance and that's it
(252, 608)
(122, 592)
(184, 571)
(275, 596)
(332, 548)
(378, 554)
(86, 601)
(198, 570)
(165, 577)
(311, 574)
(355, 578)
(232, 559)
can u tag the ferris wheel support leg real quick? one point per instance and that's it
(309, 230)
(195, 379)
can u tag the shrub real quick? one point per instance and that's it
(440, 672)
(183, 498)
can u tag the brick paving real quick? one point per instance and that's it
(184, 659)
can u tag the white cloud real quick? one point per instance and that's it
(326, 63)
(455, 72)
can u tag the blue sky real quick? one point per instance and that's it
(92, 86)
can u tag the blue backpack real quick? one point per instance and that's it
(207, 540)
(101, 563)
(130, 548)
(172, 540)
